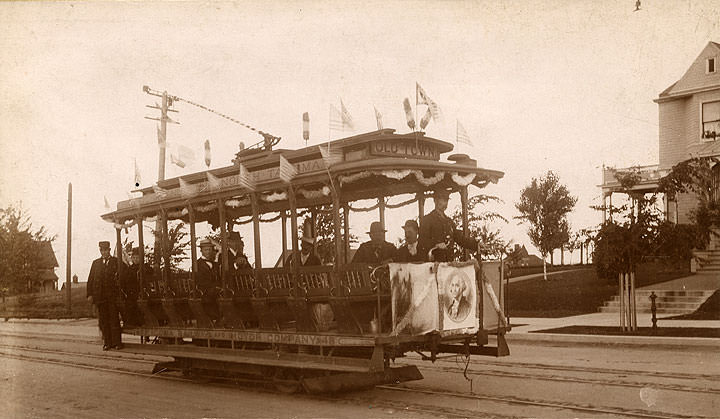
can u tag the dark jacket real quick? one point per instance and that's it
(103, 283)
(208, 279)
(130, 283)
(437, 227)
(312, 260)
(374, 254)
(403, 255)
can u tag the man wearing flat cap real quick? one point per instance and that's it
(103, 291)
(207, 278)
(376, 251)
(438, 234)
(410, 251)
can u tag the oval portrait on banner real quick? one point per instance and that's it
(458, 298)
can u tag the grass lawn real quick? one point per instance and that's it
(563, 294)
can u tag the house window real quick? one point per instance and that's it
(710, 65)
(711, 120)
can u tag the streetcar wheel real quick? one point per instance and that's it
(286, 381)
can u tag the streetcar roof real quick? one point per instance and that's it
(369, 165)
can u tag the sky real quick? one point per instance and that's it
(560, 85)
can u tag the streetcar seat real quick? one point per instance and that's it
(236, 301)
(311, 298)
(357, 300)
(269, 301)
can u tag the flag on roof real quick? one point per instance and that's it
(378, 119)
(138, 178)
(346, 117)
(213, 181)
(208, 156)
(160, 192)
(306, 126)
(421, 98)
(287, 171)
(425, 120)
(409, 113)
(245, 180)
(182, 155)
(186, 190)
(462, 135)
(340, 120)
(330, 155)
(107, 204)
(177, 162)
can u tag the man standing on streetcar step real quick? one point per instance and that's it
(103, 290)
(438, 234)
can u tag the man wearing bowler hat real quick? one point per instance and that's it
(377, 251)
(103, 291)
(438, 234)
(237, 258)
(410, 251)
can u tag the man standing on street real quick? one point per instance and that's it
(103, 291)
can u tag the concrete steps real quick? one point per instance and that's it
(709, 260)
(667, 301)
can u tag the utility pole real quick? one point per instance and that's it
(68, 270)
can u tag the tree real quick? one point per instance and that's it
(492, 244)
(177, 242)
(544, 205)
(19, 247)
(325, 233)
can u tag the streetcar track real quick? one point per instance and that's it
(455, 412)
(80, 354)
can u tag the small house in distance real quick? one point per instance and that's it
(520, 258)
(46, 279)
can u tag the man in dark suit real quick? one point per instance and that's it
(130, 287)
(438, 234)
(207, 278)
(377, 251)
(103, 291)
(410, 251)
(237, 258)
(307, 256)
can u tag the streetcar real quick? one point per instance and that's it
(325, 328)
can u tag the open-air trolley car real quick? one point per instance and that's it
(320, 328)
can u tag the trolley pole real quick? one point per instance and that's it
(163, 133)
(68, 269)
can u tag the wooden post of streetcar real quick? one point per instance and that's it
(421, 205)
(381, 210)
(339, 244)
(141, 245)
(293, 231)
(193, 243)
(165, 253)
(283, 222)
(346, 227)
(256, 232)
(223, 243)
(466, 227)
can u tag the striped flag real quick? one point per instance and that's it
(330, 156)
(160, 192)
(213, 181)
(409, 114)
(346, 118)
(245, 180)
(421, 98)
(208, 157)
(425, 120)
(137, 174)
(306, 126)
(378, 119)
(287, 171)
(462, 135)
(340, 120)
(186, 190)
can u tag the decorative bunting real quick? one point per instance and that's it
(245, 180)
(306, 126)
(409, 114)
(425, 120)
(207, 153)
(213, 181)
(287, 170)
(160, 192)
(378, 119)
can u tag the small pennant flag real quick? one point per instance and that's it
(160, 192)
(421, 98)
(462, 135)
(185, 189)
(330, 156)
(137, 174)
(287, 170)
(177, 162)
(425, 120)
(107, 204)
(213, 181)
(208, 157)
(161, 138)
(244, 180)
(182, 156)
(409, 114)
(306, 126)
(378, 119)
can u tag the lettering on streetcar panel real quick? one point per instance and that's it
(396, 148)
